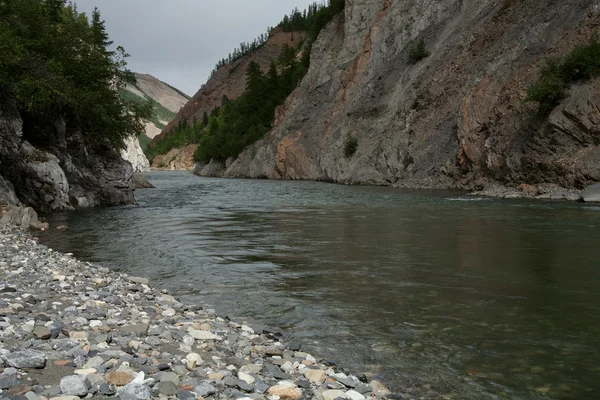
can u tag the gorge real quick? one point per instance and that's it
(455, 119)
(328, 192)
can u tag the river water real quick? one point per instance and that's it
(433, 292)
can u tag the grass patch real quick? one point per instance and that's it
(558, 73)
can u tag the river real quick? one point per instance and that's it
(433, 292)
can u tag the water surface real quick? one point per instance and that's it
(432, 292)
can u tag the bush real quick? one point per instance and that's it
(559, 73)
(350, 146)
(417, 53)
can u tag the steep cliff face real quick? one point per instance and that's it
(68, 176)
(135, 155)
(176, 159)
(230, 80)
(453, 120)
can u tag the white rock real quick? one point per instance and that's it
(134, 154)
(246, 377)
(169, 312)
(354, 395)
(195, 357)
(85, 371)
(287, 367)
(334, 394)
(287, 383)
(139, 379)
(95, 323)
(203, 335)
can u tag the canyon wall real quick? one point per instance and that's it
(455, 119)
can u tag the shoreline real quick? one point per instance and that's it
(71, 329)
(541, 192)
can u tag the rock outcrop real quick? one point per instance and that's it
(63, 177)
(134, 154)
(455, 119)
(25, 217)
(176, 159)
(140, 182)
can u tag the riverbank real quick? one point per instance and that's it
(70, 328)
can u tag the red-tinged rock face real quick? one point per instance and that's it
(455, 119)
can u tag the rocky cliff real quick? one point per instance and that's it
(176, 159)
(455, 119)
(64, 176)
(135, 155)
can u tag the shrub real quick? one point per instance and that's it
(418, 52)
(350, 146)
(559, 73)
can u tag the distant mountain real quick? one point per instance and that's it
(166, 101)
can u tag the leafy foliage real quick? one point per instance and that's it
(418, 52)
(558, 73)
(183, 135)
(241, 122)
(55, 64)
(350, 146)
(144, 141)
(312, 20)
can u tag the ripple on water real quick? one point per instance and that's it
(468, 297)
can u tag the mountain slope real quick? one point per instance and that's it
(166, 101)
(230, 80)
(454, 119)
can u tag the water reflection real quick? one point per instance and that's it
(471, 299)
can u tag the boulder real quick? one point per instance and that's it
(213, 169)
(74, 385)
(591, 194)
(140, 182)
(26, 359)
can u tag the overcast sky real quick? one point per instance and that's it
(179, 41)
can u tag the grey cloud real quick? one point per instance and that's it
(179, 41)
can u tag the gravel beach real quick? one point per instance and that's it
(70, 329)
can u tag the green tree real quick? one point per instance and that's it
(56, 66)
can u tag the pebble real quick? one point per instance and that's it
(74, 385)
(135, 391)
(285, 392)
(118, 378)
(334, 394)
(316, 376)
(109, 335)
